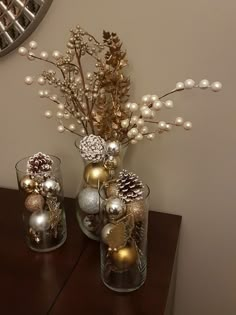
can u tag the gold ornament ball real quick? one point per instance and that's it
(125, 257)
(112, 190)
(137, 208)
(34, 202)
(27, 184)
(112, 162)
(95, 174)
(106, 231)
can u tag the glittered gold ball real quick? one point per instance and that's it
(95, 174)
(125, 257)
(112, 162)
(112, 190)
(34, 202)
(27, 184)
(137, 208)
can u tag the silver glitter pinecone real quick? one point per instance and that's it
(130, 186)
(39, 163)
(92, 148)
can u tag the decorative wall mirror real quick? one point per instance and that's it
(18, 19)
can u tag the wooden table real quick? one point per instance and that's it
(67, 281)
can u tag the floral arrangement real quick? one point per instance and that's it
(90, 91)
(97, 102)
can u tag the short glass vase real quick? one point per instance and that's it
(123, 247)
(42, 206)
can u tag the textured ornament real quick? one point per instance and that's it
(113, 148)
(125, 257)
(115, 208)
(55, 214)
(88, 200)
(50, 187)
(137, 208)
(39, 163)
(90, 223)
(92, 148)
(39, 221)
(95, 174)
(34, 202)
(129, 224)
(111, 190)
(28, 184)
(112, 162)
(130, 186)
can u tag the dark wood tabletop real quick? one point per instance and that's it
(67, 280)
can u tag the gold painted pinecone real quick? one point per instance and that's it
(92, 148)
(39, 163)
(130, 186)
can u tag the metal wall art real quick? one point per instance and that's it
(18, 19)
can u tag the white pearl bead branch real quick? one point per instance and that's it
(145, 112)
(140, 117)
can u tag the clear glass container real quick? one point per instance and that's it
(123, 246)
(42, 205)
(87, 200)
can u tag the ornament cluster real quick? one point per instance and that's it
(102, 162)
(125, 220)
(42, 191)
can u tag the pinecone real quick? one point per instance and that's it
(39, 163)
(130, 186)
(92, 148)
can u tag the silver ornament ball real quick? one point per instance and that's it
(113, 148)
(88, 200)
(115, 208)
(39, 221)
(51, 187)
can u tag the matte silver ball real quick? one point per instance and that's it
(88, 200)
(51, 187)
(106, 231)
(115, 208)
(39, 221)
(113, 148)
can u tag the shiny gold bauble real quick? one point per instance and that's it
(138, 210)
(112, 162)
(95, 174)
(106, 231)
(28, 184)
(34, 202)
(125, 257)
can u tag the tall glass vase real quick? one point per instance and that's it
(94, 175)
(123, 248)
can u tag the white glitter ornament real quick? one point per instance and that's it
(92, 148)
(88, 200)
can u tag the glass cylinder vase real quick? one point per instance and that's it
(123, 249)
(42, 203)
(94, 175)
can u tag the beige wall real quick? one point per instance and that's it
(191, 174)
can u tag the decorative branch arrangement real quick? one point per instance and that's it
(97, 102)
